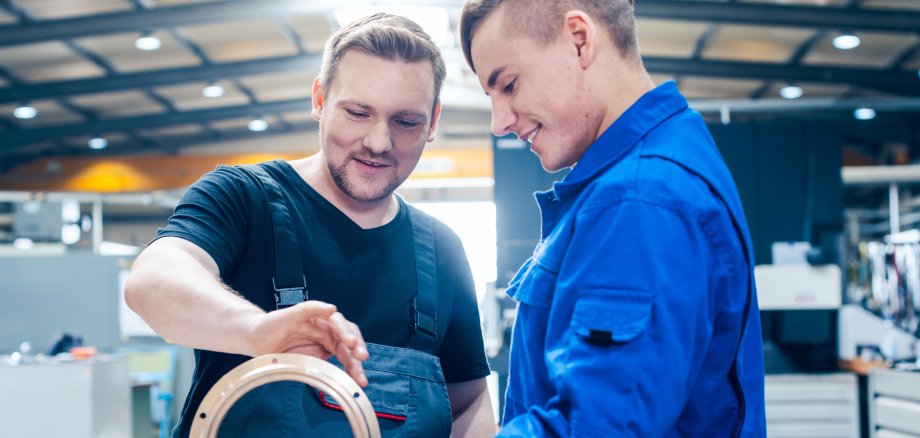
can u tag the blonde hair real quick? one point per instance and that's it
(386, 36)
(542, 20)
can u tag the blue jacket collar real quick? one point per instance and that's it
(648, 112)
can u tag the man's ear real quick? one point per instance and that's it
(581, 30)
(318, 99)
(435, 116)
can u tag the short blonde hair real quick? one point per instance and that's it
(542, 20)
(386, 36)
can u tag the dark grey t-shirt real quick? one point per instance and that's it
(369, 274)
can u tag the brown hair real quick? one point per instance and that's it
(386, 36)
(542, 19)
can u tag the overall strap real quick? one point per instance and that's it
(424, 305)
(288, 280)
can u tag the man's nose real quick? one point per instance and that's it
(378, 138)
(503, 118)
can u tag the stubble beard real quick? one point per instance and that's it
(348, 187)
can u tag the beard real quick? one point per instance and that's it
(361, 191)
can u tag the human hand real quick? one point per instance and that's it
(314, 328)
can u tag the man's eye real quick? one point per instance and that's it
(355, 113)
(408, 123)
(510, 87)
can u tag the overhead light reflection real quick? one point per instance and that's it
(97, 143)
(864, 114)
(257, 125)
(25, 112)
(791, 92)
(846, 41)
(212, 90)
(147, 42)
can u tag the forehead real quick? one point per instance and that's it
(495, 45)
(384, 83)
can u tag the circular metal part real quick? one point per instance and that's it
(270, 368)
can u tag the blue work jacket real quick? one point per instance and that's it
(637, 314)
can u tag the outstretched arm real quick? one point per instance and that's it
(175, 287)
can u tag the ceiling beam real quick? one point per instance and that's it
(853, 19)
(893, 81)
(14, 139)
(897, 82)
(157, 78)
(765, 14)
(172, 16)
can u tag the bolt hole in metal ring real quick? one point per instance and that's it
(269, 368)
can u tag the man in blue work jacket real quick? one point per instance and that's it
(637, 314)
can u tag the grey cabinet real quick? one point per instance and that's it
(894, 404)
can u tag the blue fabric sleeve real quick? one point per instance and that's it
(636, 280)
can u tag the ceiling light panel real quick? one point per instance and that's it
(281, 86)
(241, 40)
(7, 18)
(313, 31)
(298, 117)
(668, 37)
(49, 113)
(875, 50)
(165, 3)
(119, 104)
(907, 5)
(799, 2)
(715, 88)
(59, 9)
(188, 96)
(172, 131)
(755, 43)
(238, 123)
(47, 62)
(119, 50)
(811, 90)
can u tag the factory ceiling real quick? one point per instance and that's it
(114, 77)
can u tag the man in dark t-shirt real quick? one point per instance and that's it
(206, 280)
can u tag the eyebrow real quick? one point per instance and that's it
(402, 113)
(351, 102)
(494, 77)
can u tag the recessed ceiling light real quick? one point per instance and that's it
(97, 143)
(212, 90)
(864, 114)
(147, 42)
(791, 92)
(846, 41)
(257, 125)
(25, 112)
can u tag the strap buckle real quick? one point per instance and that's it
(422, 322)
(289, 296)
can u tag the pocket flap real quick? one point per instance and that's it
(535, 287)
(612, 315)
(387, 392)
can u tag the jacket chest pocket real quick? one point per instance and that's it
(533, 286)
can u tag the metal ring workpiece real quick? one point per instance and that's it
(269, 368)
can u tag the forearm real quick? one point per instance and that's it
(471, 408)
(184, 301)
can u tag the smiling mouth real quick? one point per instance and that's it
(533, 134)
(371, 163)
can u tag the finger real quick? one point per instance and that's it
(314, 309)
(352, 365)
(360, 349)
(343, 330)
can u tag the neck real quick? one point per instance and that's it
(367, 215)
(620, 90)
